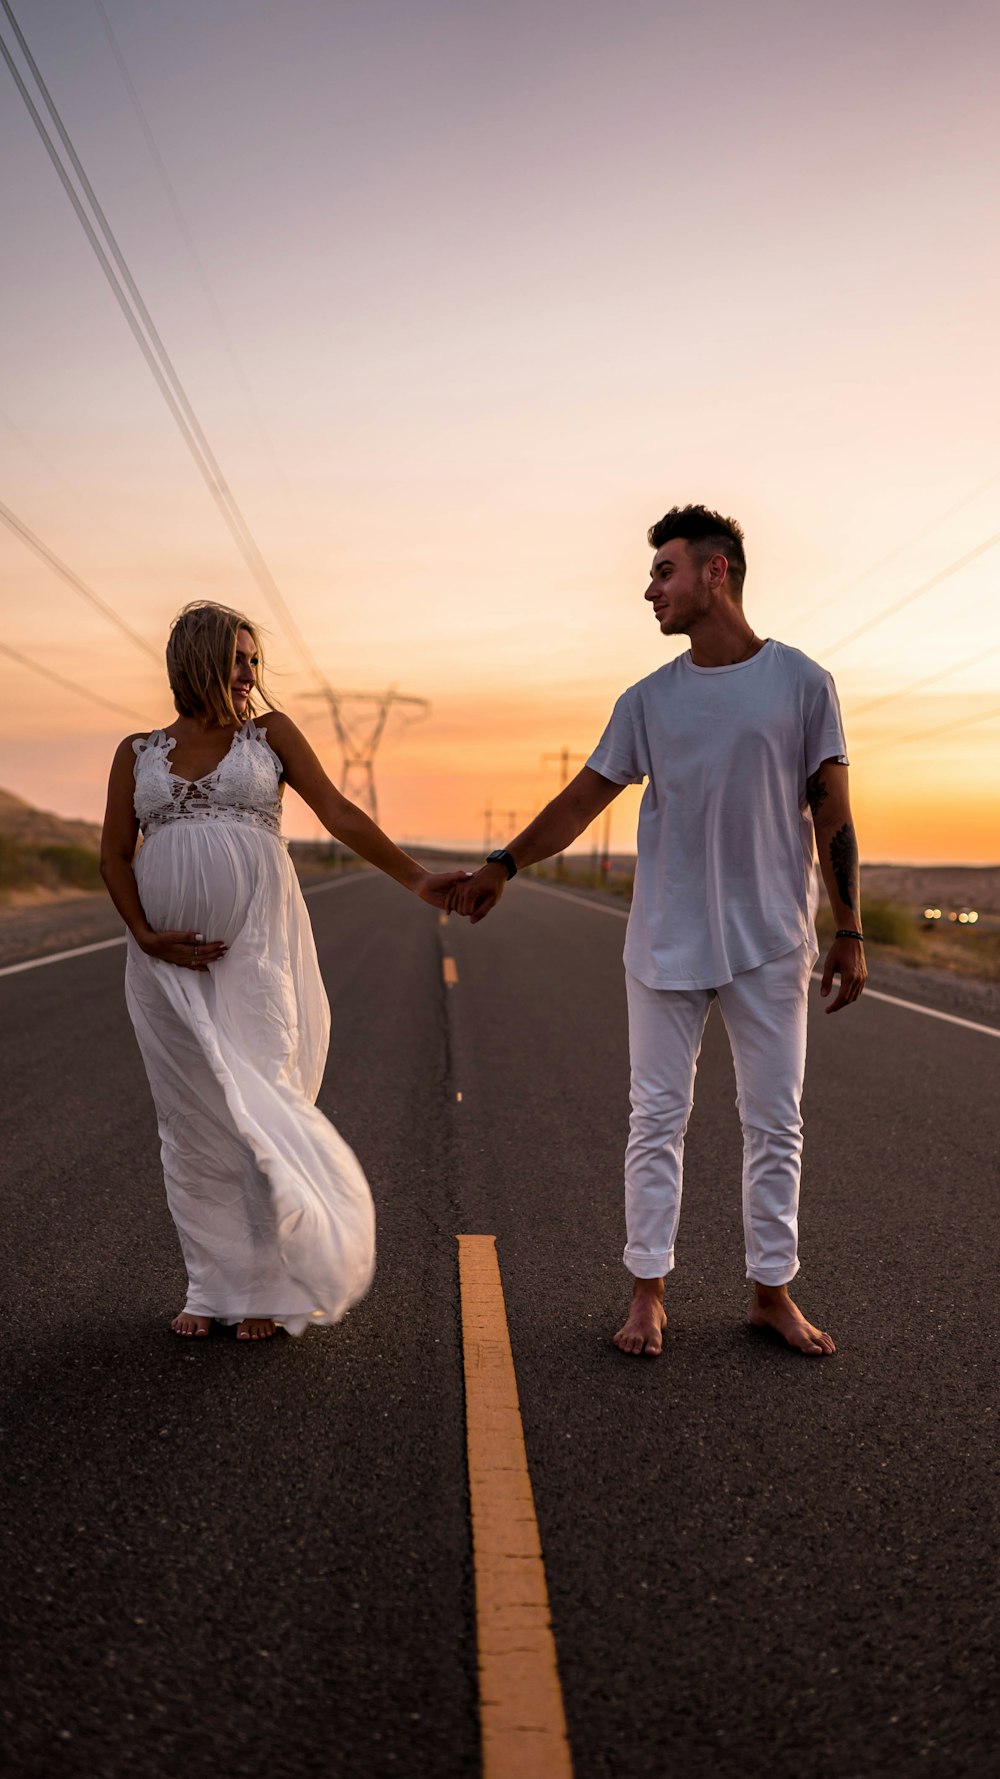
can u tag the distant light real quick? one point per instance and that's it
(973, 916)
(953, 915)
(932, 914)
(963, 917)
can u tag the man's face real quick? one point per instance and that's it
(678, 590)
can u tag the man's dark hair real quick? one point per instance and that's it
(709, 533)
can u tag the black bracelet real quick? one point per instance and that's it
(843, 933)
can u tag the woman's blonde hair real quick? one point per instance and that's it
(201, 653)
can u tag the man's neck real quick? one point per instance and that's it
(724, 639)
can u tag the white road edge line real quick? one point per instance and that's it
(62, 957)
(875, 994)
(316, 889)
(870, 994)
(568, 896)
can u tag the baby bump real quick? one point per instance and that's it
(198, 876)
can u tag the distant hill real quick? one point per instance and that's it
(28, 826)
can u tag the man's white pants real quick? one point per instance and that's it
(765, 1015)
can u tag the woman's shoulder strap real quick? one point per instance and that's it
(157, 739)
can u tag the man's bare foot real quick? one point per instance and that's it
(642, 1329)
(773, 1308)
(186, 1324)
(255, 1328)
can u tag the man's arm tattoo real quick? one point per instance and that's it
(844, 860)
(816, 791)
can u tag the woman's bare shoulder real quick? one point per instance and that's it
(276, 722)
(279, 728)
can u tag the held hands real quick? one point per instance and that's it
(475, 895)
(439, 887)
(463, 892)
(846, 959)
(189, 951)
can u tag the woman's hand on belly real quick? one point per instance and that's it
(189, 951)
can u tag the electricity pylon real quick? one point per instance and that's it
(359, 720)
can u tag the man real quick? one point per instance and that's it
(740, 741)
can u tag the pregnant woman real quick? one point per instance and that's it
(274, 1215)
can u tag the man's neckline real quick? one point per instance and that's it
(729, 666)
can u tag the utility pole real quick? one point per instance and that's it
(606, 848)
(494, 825)
(359, 720)
(513, 818)
(564, 757)
(600, 862)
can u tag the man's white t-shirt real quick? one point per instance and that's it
(726, 874)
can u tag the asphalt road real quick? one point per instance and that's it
(228, 1560)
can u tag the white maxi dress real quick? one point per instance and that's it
(272, 1208)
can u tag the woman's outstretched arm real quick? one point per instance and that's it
(344, 820)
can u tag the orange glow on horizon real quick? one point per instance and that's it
(450, 412)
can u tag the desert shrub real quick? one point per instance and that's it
(883, 922)
(887, 923)
(76, 866)
(15, 864)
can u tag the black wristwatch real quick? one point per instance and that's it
(502, 857)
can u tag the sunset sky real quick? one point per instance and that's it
(478, 291)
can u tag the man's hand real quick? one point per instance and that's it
(846, 959)
(437, 888)
(476, 895)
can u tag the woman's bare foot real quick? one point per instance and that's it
(773, 1308)
(642, 1329)
(255, 1328)
(187, 1324)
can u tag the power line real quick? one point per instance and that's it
(931, 680)
(151, 347)
(28, 537)
(981, 716)
(68, 685)
(935, 580)
(188, 239)
(893, 554)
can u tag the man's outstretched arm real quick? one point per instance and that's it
(554, 828)
(837, 845)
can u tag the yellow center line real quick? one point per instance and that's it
(449, 970)
(521, 1715)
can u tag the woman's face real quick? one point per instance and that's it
(244, 676)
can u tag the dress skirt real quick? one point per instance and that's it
(273, 1211)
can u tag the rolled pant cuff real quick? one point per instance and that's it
(648, 1266)
(770, 1275)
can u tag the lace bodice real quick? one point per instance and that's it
(244, 787)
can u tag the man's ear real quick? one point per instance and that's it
(718, 568)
